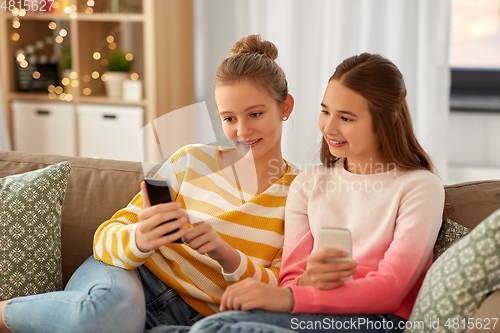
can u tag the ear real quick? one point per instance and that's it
(287, 106)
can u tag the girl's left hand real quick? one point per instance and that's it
(250, 294)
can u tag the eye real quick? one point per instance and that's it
(228, 119)
(255, 114)
(346, 119)
(325, 112)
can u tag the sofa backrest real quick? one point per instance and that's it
(96, 189)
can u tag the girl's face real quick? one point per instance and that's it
(252, 118)
(346, 125)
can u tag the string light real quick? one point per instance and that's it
(16, 36)
(73, 75)
(87, 91)
(36, 75)
(24, 64)
(110, 39)
(73, 15)
(51, 88)
(22, 12)
(16, 24)
(68, 10)
(63, 96)
(52, 95)
(104, 77)
(90, 3)
(59, 39)
(134, 76)
(58, 90)
(65, 81)
(129, 56)
(96, 55)
(74, 83)
(21, 57)
(95, 75)
(89, 10)
(112, 46)
(69, 97)
(52, 25)
(63, 32)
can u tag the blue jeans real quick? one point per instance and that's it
(101, 298)
(275, 322)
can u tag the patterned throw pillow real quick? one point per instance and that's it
(30, 231)
(459, 281)
(450, 232)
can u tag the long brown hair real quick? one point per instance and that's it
(381, 83)
(252, 59)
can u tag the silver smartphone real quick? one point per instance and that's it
(336, 238)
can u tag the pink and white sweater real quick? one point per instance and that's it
(394, 218)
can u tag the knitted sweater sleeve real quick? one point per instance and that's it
(377, 291)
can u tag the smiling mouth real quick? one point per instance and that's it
(337, 142)
(249, 143)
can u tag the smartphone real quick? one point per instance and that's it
(159, 191)
(336, 238)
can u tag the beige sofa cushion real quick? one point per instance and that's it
(470, 203)
(96, 190)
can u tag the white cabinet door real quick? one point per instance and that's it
(44, 127)
(109, 131)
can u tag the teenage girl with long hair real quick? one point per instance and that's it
(139, 279)
(376, 181)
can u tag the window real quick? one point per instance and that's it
(475, 55)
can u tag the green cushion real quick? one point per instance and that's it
(449, 233)
(459, 281)
(30, 231)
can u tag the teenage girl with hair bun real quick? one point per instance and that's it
(377, 182)
(138, 279)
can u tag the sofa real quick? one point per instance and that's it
(97, 188)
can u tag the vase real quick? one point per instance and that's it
(114, 83)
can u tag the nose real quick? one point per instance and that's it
(330, 126)
(244, 129)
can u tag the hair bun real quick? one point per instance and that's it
(254, 44)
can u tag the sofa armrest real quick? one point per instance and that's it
(486, 313)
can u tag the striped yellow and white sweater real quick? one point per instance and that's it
(255, 228)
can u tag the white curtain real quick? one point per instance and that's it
(313, 37)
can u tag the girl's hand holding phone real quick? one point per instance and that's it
(324, 274)
(152, 230)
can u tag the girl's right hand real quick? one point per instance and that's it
(327, 275)
(152, 231)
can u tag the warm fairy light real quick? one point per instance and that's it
(52, 25)
(73, 15)
(15, 12)
(63, 32)
(55, 4)
(22, 12)
(104, 77)
(21, 57)
(129, 56)
(112, 46)
(16, 36)
(110, 39)
(95, 75)
(87, 91)
(73, 75)
(96, 55)
(68, 10)
(69, 97)
(36, 75)
(86, 78)
(16, 24)
(24, 64)
(63, 96)
(59, 90)
(104, 62)
(74, 83)
(52, 95)
(73, 8)
(59, 39)
(65, 81)
(89, 10)
(90, 3)
(134, 76)
(51, 88)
